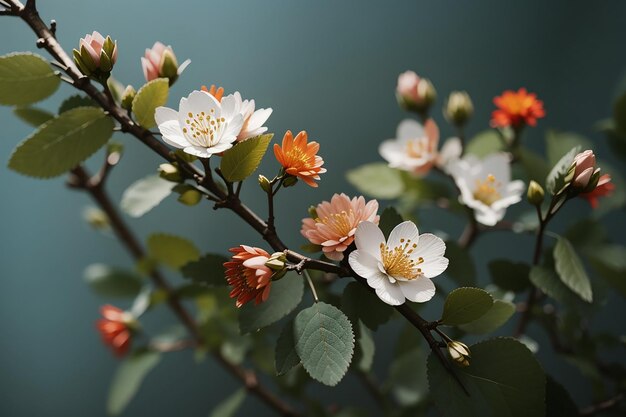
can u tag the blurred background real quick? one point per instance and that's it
(325, 66)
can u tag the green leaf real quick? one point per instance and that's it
(172, 251)
(62, 143)
(465, 305)
(535, 166)
(128, 379)
(559, 144)
(240, 161)
(571, 270)
(548, 281)
(229, 406)
(558, 401)
(461, 267)
(484, 143)
(389, 219)
(145, 194)
(286, 357)
(208, 270)
(75, 101)
(407, 377)
(509, 276)
(503, 379)
(610, 262)
(112, 282)
(32, 115)
(358, 303)
(555, 181)
(377, 180)
(25, 78)
(284, 297)
(364, 354)
(324, 342)
(152, 95)
(499, 313)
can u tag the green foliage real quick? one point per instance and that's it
(208, 270)
(610, 262)
(284, 297)
(152, 95)
(365, 348)
(128, 379)
(358, 303)
(62, 143)
(559, 144)
(407, 377)
(377, 180)
(485, 143)
(229, 406)
(32, 115)
(535, 165)
(25, 78)
(503, 379)
(571, 270)
(558, 401)
(509, 276)
(240, 161)
(548, 281)
(172, 251)
(464, 305)
(324, 342)
(461, 267)
(286, 357)
(145, 194)
(499, 313)
(112, 282)
(75, 101)
(555, 181)
(389, 219)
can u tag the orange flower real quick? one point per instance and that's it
(114, 329)
(247, 274)
(218, 93)
(604, 188)
(516, 109)
(300, 158)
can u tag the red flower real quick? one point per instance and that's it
(516, 109)
(114, 329)
(604, 188)
(247, 274)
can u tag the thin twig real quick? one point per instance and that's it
(311, 285)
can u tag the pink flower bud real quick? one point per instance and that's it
(160, 62)
(93, 44)
(415, 93)
(407, 85)
(585, 167)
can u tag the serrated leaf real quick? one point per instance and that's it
(570, 269)
(484, 143)
(284, 297)
(503, 379)
(465, 305)
(208, 270)
(229, 406)
(499, 313)
(559, 144)
(377, 180)
(62, 143)
(112, 282)
(172, 251)
(509, 276)
(358, 303)
(145, 194)
(461, 267)
(286, 357)
(240, 161)
(555, 181)
(389, 219)
(75, 101)
(364, 354)
(128, 379)
(32, 115)
(324, 342)
(25, 78)
(152, 95)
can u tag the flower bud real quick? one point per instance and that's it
(265, 184)
(290, 181)
(96, 218)
(584, 167)
(127, 97)
(96, 56)
(535, 193)
(276, 262)
(459, 352)
(190, 197)
(160, 62)
(414, 93)
(312, 212)
(459, 108)
(170, 172)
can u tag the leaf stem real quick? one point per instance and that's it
(311, 285)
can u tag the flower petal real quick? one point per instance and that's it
(390, 293)
(404, 231)
(364, 264)
(368, 238)
(409, 129)
(418, 290)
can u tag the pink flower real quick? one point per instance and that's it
(247, 273)
(587, 181)
(93, 44)
(160, 62)
(336, 223)
(96, 55)
(114, 329)
(585, 168)
(407, 85)
(415, 93)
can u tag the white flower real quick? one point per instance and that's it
(486, 186)
(414, 149)
(400, 268)
(252, 120)
(449, 153)
(203, 126)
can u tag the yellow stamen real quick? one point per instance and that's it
(341, 223)
(398, 262)
(416, 148)
(487, 191)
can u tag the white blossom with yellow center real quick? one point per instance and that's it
(400, 268)
(203, 126)
(486, 185)
(415, 147)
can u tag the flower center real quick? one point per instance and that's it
(398, 263)
(416, 148)
(341, 223)
(487, 191)
(297, 158)
(204, 129)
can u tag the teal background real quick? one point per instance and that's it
(325, 66)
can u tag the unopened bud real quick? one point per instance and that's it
(290, 181)
(127, 97)
(458, 108)
(276, 262)
(535, 193)
(459, 353)
(265, 184)
(96, 218)
(170, 172)
(415, 93)
(312, 212)
(190, 197)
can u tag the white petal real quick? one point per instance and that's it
(489, 217)
(258, 118)
(182, 66)
(392, 151)
(418, 290)
(199, 101)
(391, 294)
(378, 280)
(221, 147)
(229, 103)
(434, 267)
(405, 230)
(234, 126)
(199, 151)
(512, 194)
(430, 246)
(172, 134)
(165, 114)
(368, 238)
(409, 129)
(363, 264)
(498, 164)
